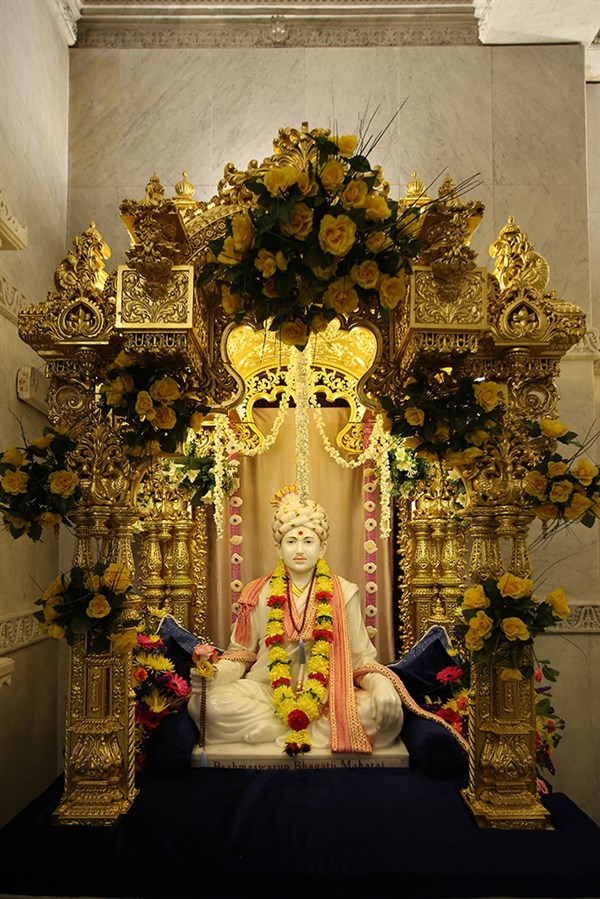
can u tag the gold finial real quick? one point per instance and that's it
(415, 188)
(447, 187)
(185, 189)
(305, 127)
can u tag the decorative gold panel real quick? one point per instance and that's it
(140, 307)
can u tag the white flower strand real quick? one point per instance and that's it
(299, 375)
(221, 439)
(284, 405)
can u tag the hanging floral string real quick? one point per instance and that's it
(370, 544)
(235, 534)
(300, 376)
(220, 441)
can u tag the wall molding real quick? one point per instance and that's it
(584, 619)
(18, 631)
(11, 301)
(13, 235)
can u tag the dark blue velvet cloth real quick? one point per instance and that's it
(357, 834)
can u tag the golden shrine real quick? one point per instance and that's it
(455, 317)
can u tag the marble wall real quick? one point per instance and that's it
(34, 97)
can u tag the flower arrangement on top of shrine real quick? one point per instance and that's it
(37, 488)
(88, 601)
(156, 404)
(318, 242)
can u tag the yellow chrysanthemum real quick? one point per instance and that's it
(318, 665)
(309, 705)
(156, 701)
(158, 663)
(277, 654)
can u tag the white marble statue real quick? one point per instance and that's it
(300, 670)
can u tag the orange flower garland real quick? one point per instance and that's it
(298, 711)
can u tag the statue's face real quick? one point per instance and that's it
(300, 549)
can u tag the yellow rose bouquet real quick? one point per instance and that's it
(88, 601)
(37, 488)
(498, 621)
(322, 238)
(156, 405)
(442, 416)
(560, 489)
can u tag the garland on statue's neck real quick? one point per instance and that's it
(297, 710)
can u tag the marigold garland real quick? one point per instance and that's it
(298, 711)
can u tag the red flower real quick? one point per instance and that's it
(178, 685)
(281, 682)
(276, 638)
(452, 717)
(462, 703)
(449, 675)
(276, 601)
(537, 675)
(292, 749)
(140, 675)
(322, 596)
(316, 675)
(149, 643)
(297, 719)
(321, 633)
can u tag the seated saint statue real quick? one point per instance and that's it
(300, 669)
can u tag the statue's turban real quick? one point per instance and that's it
(291, 513)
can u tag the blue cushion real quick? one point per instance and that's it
(433, 748)
(418, 668)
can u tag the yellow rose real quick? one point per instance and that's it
(55, 631)
(269, 289)
(337, 234)
(515, 629)
(318, 323)
(596, 505)
(166, 390)
(355, 193)
(472, 453)
(15, 482)
(205, 668)
(476, 437)
(93, 581)
(546, 512)
(392, 290)
(278, 179)
(441, 433)
(13, 456)
(123, 360)
(475, 598)
(332, 175)
(164, 418)
(487, 394)
(152, 448)
(117, 577)
(307, 187)
(196, 420)
(294, 333)
(347, 145)
(535, 484)
(515, 587)
(53, 590)
(231, 302)
(301, 222)
(228, 255)
(473, 641)
(585, 472)
(64, 483)
(49, 519)
(511, 674)
(411, 222)
(98, 606)
(454, 458)
(123, 641)
(242, 232)
(558, 601)
(556, 469)
(560, 492)
(377, 209)
(414, 416)
(366, 274)
(341, 296)
(42, 443)
(481, 624)
(15, 521)
(578, 506)
(324, 272)
(551, 427)
(378, 242)
(265, 263)
(144, 405)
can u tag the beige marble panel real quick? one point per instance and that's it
(94, 138)
(164, 115)
(594, 232)
(255, 92)
(354, 90)
(539, 115)
(555, 218)
(592, 101)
